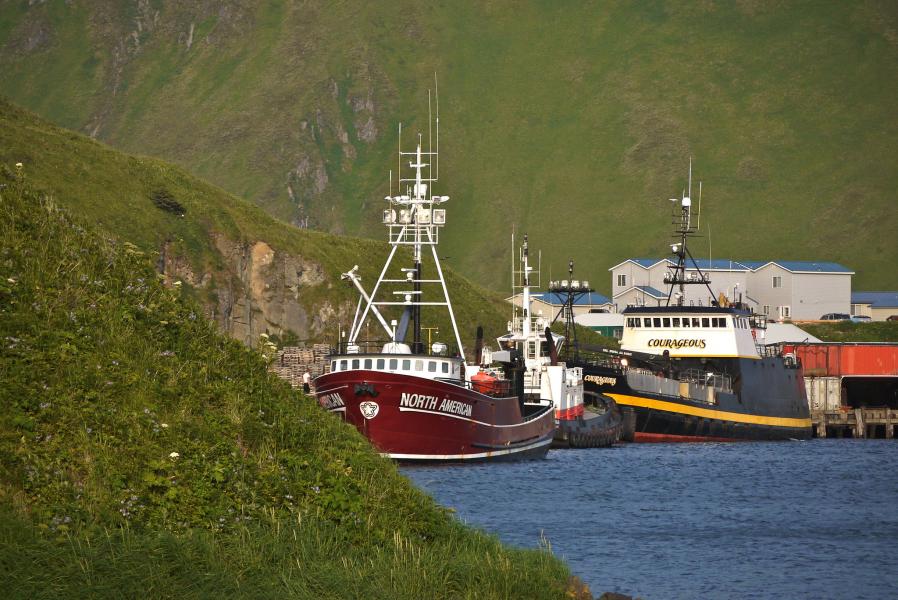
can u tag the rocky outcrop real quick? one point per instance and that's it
(259, 290)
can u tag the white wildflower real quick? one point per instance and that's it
(174, 455)
(163, 425)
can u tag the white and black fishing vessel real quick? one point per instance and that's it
(545, 377)
(698, 372)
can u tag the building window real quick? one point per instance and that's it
(777, 281)
(621, 280)
(766, 310)
(785, 312)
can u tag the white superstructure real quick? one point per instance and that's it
(695, 333)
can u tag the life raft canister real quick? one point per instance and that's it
(484, 383)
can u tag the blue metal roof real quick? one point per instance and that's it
(726, 264)
(816, 267)
(651, 291)
(876, 299)
(556, 299)
(645, 262)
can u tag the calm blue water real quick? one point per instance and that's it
(815, 519)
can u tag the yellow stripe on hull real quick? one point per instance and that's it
(625, 400)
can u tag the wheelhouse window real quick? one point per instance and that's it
(333, 365)
(380, 364)
(419, 365)
(706, 322)
(394, 364)
(431, 366)
(657, 321)
(647, 322)
(368, 363)
(406, 364)
(355, 363)
(445, 367)
(666, 321)
(695, 322)
(685, 321)
(343, 365)
(676, 321)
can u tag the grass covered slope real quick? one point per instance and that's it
(846, 331)
(114, 191)
(572, 122)
(142, 453)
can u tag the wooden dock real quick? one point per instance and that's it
(855, 422)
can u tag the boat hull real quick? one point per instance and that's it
(590, 430)
(770, 405)
(414, 419)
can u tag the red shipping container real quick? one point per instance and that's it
(846, 359)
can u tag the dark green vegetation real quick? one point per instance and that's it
(122, 195)
(846, 331)
(144, 454)
(574, 122)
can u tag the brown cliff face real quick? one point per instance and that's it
(259, 290)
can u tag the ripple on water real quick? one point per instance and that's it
(815, 519)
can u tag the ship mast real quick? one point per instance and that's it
(412, 220)
(686, 229)
(571, 290)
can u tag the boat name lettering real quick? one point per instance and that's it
(600, 380)
(331, 401)
(672, 343)
(423, 401)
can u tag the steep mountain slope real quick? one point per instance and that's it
(144, 454)
(253, 273)
(572, 122)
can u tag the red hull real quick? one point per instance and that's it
(414, 418)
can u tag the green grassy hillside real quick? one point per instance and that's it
(846, 331)
(144, 454)
(115, 191)
(574, 122)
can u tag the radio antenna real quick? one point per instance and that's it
(436, 93)
(698, 226)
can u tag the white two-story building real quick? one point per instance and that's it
(796, 290)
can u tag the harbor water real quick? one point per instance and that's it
(812, 519)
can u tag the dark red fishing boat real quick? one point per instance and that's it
(415, 401)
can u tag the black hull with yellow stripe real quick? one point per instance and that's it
(767, 400)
